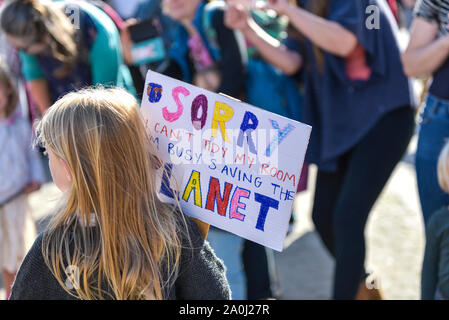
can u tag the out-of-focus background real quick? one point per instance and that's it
(395, 240)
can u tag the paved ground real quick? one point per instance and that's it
(395, 241)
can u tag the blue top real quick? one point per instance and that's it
(436, 11)
(342, 111)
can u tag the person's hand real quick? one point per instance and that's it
(32, 187)
(280, 6)
(127, 43)
(236, 16)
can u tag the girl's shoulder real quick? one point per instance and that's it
(190, 234)
(30, 272)
(35, 280)
(202, 274)
(34, 260)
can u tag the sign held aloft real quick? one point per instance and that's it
(229, 164)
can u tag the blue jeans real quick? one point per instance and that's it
(228, 247)
(433, 134)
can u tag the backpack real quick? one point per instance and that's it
(266, 87)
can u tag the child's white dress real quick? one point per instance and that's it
(19, 164)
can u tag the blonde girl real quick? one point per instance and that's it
(21, 173)
(113, 238)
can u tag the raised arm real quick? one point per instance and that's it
(328, 35)
(237, 17)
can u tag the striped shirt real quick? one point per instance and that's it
(435, 11)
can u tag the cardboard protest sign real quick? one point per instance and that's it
(229, 164)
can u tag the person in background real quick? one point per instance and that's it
(427, 55)
(112, 240)
(10, 56)
(193, 59)
(269, 89)
(57, 56)
(21, 173)
(218, 68)
(356, 98)
(435, 268)
(142, 12)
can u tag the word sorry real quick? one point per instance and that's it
(222, 114)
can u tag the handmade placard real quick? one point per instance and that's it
(227, 163)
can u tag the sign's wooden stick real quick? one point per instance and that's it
(204, 227)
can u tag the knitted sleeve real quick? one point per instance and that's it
(202, 275)
(34, 280)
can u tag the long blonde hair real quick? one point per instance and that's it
(135, 253)
(33, 20)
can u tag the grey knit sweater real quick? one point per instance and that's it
(201, 276)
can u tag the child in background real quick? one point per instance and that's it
(435, 271)
(112, 238)
(344, 65)
(21, 173)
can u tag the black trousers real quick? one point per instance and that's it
(257, 271)
(344, 199)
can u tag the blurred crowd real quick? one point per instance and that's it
(336, 65)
